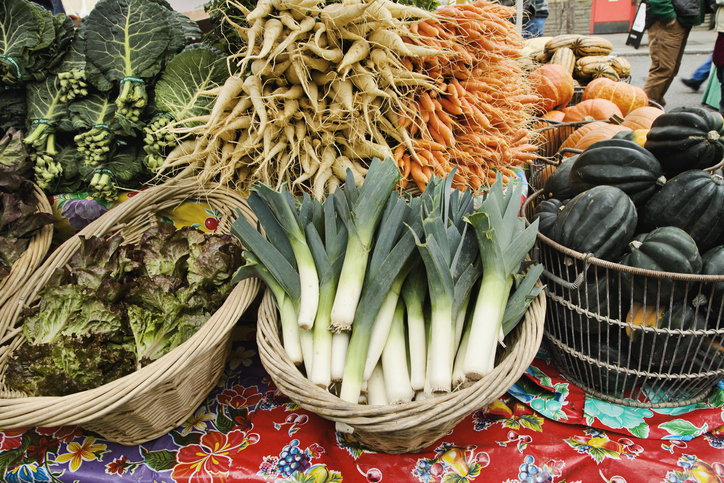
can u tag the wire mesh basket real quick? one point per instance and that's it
(634, 337)
(550, 135)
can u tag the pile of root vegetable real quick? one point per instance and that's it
(322, 88)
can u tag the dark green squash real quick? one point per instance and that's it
(557, 185)
(665, 249)
(597, 295)
(620, 163)
(546, 213)
(665, 351)
(686, 138)
(712, 263)
(600, 221)
(692, 201)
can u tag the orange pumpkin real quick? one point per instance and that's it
(604, 132)
(626, 96)
(597, 128)
(553, 84)
(641, 118)
(592, 109)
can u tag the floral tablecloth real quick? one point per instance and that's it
(248, 431)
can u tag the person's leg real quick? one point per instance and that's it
(702, 73)
(539, 24)
(666, 48)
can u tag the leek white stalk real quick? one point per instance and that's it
(381, 327)
(360, 210)
(340, 346)
(321, 373)
(306, 340)
(376, 394)
(394, 360)
(414, 291)
(503, 243)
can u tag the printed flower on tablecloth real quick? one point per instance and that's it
(598, 446)
(11, 438)
(695, 469)
(615, 416)
(80, 213)
(118, 466)
(197, 421)
(66, 434)
(77, 453)
(240, 356)
(43, 446)
(28, 474)
(239, 397)
(211, 459)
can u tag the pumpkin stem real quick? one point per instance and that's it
(712, 136)
(661, 181)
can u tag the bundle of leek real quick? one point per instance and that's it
(416, 262)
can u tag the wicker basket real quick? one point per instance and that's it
(159, 397)
(32, 257)
(596, 347)
(410, 427)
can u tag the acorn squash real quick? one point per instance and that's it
(665, 351)
(557, 185)
(712, 263)
(546, 213)
(686, 138)
(600, 221)
(638, 136)
(665, 249)
(692, 201)
(620, 163)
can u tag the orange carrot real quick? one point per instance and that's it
(399, 151)
(449, 106)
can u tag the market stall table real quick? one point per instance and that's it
(544, 429)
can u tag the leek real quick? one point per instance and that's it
(448, 252)
(360, 210)
(282, 206)
(286, 304)
(504, 242)
(392, 270)
(266, 262)
(414, 294)
(376, 393)
(394, 360)
(328, 256)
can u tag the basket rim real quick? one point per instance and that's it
(452, 406)
(83, 406)
(33, 255)
(588, 258)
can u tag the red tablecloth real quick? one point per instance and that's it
(247, 431)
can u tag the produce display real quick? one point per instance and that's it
(420, 278)
(118, 306)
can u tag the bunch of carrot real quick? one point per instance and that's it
(476, 116)
(319, 90)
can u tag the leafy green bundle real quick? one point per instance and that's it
(127, 43)
(116, 307)
(32, 41)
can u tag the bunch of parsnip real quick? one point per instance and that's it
(319, 91)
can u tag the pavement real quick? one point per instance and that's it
(701, 41)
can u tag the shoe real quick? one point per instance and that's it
(691, 84)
